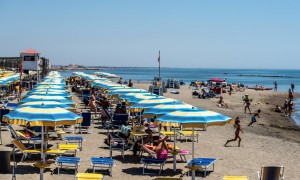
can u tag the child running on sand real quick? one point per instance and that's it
(253, 117)
(237, 132)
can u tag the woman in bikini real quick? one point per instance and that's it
(237, 132)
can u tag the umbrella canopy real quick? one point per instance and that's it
(50, 93)
(153, 102)
(42, 116)
(194, 119)
(60, 99)
(217, 80)
(125, 91)
(50, 87)
(49, 90)
(48, 104)
(163, 109)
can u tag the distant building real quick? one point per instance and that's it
(10, 63)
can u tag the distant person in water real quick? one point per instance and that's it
(275, 85)
(237, 132)
(254, 116)
(247, 103)
(292, 87)
(120, 81)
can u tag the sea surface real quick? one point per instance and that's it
(248, 77)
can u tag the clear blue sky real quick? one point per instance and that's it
(193, 33)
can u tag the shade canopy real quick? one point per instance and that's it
(194, 119)
(48, 104)
(163, 109)
(42, 116)
(60, 99)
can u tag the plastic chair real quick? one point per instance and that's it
(102, 162)
(271, 173)
(68, 162)
(86, 124)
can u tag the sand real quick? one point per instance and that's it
(273, 140)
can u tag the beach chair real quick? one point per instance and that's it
(271, 173)
(85, 93)
(235, 178)
(153, 162)
(69, 148)
(120, 119)
(86, 125)
(189, 134)
(27, 152)
(19, 135)
(201, 164)
(67, 163)
(88, 176)
(169, 133)
(2, 113)
(102, 162)
(74, 139)
(116, 144)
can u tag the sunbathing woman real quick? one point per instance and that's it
(161, 150)
(237, 132)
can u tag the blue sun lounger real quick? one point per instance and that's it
(68, 162)
(201, 164)
(153, 162)
(102, 162)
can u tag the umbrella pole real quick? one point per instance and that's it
(174, 153)
(193, 148)
(42, 155)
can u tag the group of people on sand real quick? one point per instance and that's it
(238, 127)
(288, 105)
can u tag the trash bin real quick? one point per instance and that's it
(5, 166)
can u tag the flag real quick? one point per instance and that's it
(159, 56)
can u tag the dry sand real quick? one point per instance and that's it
(273, 140)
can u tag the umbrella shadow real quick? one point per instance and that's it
(137, 171)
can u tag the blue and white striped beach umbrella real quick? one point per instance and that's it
(163, 109)
(42, 116)
(48, 104)
(60, 99)
(193, 119)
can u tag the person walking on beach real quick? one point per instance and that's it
(286, 107)
(292, 87)
(247, 103)
(291, 95)
(237, 132)
(275, 85)
(290, 107)
(253, 117)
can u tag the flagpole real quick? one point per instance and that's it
(159, 65)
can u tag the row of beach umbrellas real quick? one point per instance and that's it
(166, 111)
(48, 104)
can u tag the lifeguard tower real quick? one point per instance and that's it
(31, 62)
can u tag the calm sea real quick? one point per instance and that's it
(248, 77)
